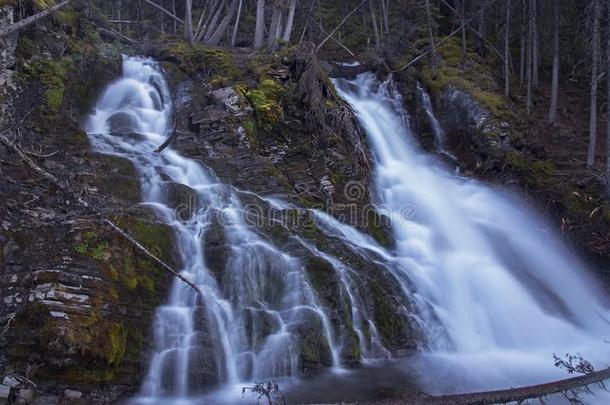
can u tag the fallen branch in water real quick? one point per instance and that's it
(569, 388)
(57, 183)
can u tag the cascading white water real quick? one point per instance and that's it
(437, 129)
(242, 327)
(495, 293)
(505, 293)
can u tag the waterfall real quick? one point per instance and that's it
(247, 324)
(505, 293)
(494, 293)
(440, 140)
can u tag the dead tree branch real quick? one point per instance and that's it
(568, 387)
(438, 44)
(341, 23)
(163, 10)
(29, 20)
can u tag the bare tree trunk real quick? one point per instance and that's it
(594, 81)
(289, 21)
(463, 22)
(163, 10)
(221, 31)
(530, 52)
(482, 29)
(385, 6)
(535, 44)
(431, 35)
(374, 23)
(188, 22)
(608, 109)
(272, 36)
(175, 22)
(523, 44)
(555, 79)
(259, 35)
(507, 51)
(236, 23)
(210, 29)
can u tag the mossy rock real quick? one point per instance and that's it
(212, 61)
(536, 173)
(470, 74)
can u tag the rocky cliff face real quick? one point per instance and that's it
(77, 299)
(495, 146)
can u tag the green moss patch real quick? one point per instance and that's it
(470, 74)
(215, 63)
(266, 101)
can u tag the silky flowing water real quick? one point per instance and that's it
(494, 292)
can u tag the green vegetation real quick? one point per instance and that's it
(535, 172)
(266, 101)
(215, 63)
(93, 246)
(472, 75)
(53, 74)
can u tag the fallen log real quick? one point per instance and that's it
(29, 20)
(569, 387)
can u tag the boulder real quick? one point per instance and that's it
(11, 381)
(121, 123)
(6, 394)
(232, 101)
(25, 395)
(73, 394)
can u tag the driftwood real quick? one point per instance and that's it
(29, 20)
(57, 183)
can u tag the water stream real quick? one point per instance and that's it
(244, 327)
(506, 293)
(494, 293)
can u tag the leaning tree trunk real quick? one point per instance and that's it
(188, 22)
(27, 21)
(555, 80)
(289, 21)
(594, 81)
(234, 37)
(221, 31)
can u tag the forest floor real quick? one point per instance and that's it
(567, 140)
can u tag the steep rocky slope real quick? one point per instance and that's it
(77, 299)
